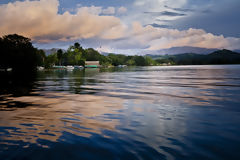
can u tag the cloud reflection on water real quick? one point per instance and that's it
(47, 117)
(159, 108)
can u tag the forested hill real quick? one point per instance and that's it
(19, 55)
(217, 57)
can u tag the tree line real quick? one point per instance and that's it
(218, 57)
(18, 53)
(76, 55)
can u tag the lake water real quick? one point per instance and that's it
(172, 112)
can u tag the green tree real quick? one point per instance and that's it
(140, 61)
(77, 45)
(117, 59)
(92, 55)
(130, 62)
(74, 55)
(60, 56)
(149, 61)
(41, 57)
(51, 60)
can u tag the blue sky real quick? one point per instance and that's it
(124, 26)
(105, 3)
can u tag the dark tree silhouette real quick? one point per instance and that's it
(60, 56)
(41, 56)
(17, 53)
(77, 45)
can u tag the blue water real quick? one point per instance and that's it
(172, 112)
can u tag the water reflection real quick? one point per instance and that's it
(47, 116)
(174, 112)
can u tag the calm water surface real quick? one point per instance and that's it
(175, 112)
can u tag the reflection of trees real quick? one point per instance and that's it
(63, 80)
(18, 55)
(17, 85)
(77, 80)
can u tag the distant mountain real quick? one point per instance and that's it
(105, 53)
(237, 50)
(51, 51)
(224, 52)
(180, 50)
(217, 57)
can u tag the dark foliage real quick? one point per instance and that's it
(17, 53)
(217, 57)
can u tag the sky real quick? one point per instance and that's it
(124, 26)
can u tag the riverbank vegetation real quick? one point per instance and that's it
(19, 55)
(218, 57)
(76, 55)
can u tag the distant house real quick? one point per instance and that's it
(92, 64)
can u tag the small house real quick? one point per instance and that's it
(92, 64)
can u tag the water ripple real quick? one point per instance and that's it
(172, 112)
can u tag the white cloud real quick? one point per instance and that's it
(122, 10)
(153, 39)
(91, 10)
(109, 11)
(156, 5)
(41, 21)
(152, 11)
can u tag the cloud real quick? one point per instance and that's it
(122, 10)
(160, 4)
(148, 11)
(109, 11)
(152, 38)
(179, 9)
(222, 17)
(41, 21)
(166, 13)
(91, 10)
(159, 25)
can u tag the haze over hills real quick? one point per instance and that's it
(51, 51)
(180, 50)
(169, 51)
(237, 50)
(187, 49)
(217, 57)
(176, 50)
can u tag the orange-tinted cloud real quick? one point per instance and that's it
(41, 21)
